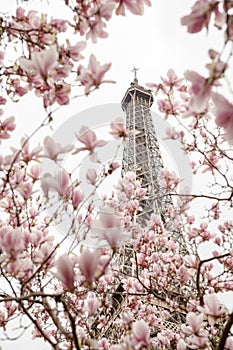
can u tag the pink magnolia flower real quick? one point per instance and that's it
(183, 274)
(96, 30)
(168, 179)
(104, 344)
(60, 183)
(93, 75)
(130, 187)
(229, 343)
(47, 184)
(216, 69)
(112, 166)
(155, 222)
(65, 271)
(25, 267)
(197, 336)
(89, 139)
(93, 305)
(198, 341)
(92, 176)
(35, 171)
(223, 111)
(3, 100)
(45, 253)
(127, 317)
(53, 149)
(62, 71)
(135, 6)
(18, 89)
(58, 93)
(116, 347)
(212, 308)
(171, 133)
(11, 241)
(41, 62)
(11, 307)
(25, 189)
(74, 51)
(194, 321)
(2, 55)
(200, 92)
(7, 126)
(77, 198)
(88, 264)
(106, 8)
(141, 334)
(90, 18)
(108, 226)
(172, 79)
(168, 106)
(59, 24)
(181, 345)
(119, 130)
(28, 154)
(200, 15)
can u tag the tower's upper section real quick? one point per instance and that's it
(138, 94)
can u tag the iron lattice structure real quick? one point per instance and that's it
(142, 155)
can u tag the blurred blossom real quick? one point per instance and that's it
(223, 111)
(41, 62)
(65, 271)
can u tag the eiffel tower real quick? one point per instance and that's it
(142, 155)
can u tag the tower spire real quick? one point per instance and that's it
(134, 70)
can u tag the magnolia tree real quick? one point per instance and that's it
(66, 295)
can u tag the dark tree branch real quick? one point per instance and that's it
(225, 332)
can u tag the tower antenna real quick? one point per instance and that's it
(134, 70)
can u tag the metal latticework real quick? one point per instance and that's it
(141, 155)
